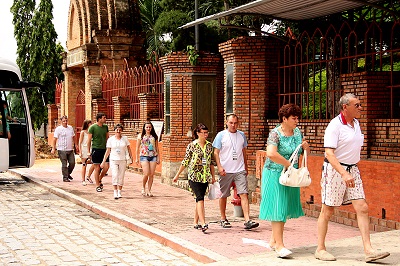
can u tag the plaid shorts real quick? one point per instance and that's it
(334, 191)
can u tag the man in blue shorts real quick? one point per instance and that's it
(231, 158)
(97, 139)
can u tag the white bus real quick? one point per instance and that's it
(17, 142)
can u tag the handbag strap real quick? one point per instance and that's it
(294, 154)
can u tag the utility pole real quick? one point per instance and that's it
(196, 27)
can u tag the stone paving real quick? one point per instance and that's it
(40, 228)
(168, 216)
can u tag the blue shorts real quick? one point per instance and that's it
(148, 158)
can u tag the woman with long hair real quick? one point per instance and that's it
(147, 152)
(200, 162)
(83, 148)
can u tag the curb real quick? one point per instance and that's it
(194, 251)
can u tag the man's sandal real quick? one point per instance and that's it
(225, 223)
(204, 228)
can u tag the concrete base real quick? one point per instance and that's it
(238, 211)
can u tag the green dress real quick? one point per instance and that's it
(279, 202)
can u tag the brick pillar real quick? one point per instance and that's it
(255, 82)
(121, 109)
(148, 106)
(375, 103)
(52, 111)
(99, 106)
(180, 73)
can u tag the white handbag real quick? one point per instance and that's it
(293, 177)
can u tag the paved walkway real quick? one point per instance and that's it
(40, 228)
(168, 218)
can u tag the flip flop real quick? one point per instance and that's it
(89, 180)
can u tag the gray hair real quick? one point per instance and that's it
(345, 99)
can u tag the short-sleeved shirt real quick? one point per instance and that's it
(345, 139)
(147, 146)
(199, 171)
(99, 136)
(229, 143)
(65, 138)
(118, 148)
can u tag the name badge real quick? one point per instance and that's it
(117, 150)
(234, 156)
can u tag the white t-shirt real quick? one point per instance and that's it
(118, 148)
(64, 136)
(229, 145)
(346, 140)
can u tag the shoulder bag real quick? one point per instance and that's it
(293, 177)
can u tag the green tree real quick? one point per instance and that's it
(162, 18)
(38, 54)
(22, 11)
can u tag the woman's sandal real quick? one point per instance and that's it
(197, 226)
(204, 228)
(89, 180)
(99, 189)
(101, 185)
(143, 193)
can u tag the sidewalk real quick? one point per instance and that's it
(168, 218)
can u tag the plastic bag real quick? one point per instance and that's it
(214, 191)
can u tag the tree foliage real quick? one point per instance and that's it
(161, 20)
(38, 54)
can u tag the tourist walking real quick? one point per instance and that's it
(341, 182)
(97, 139)
(200, 162)
(231, 158)
(279, 202)
(117, 147)
(65, 142)
(84, 152)
(147, 153)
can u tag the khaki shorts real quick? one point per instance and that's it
(334, 191)
(240, 180)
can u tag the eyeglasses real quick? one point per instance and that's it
(356, 105)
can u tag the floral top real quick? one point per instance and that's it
(148, 146)
(286, 146)
(199, 169)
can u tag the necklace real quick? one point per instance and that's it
(283, 131)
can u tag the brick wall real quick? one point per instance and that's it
(176, 65)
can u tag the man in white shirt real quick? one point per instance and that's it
(231, 158)
(341, 181)
(64, 138)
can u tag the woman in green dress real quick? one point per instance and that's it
(279, 202)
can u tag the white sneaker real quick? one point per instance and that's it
(115, 194)
(119, 194)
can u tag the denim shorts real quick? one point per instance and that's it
(148, 158)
